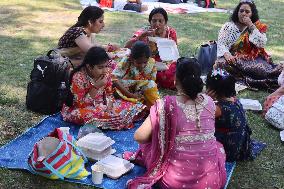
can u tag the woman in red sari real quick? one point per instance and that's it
(241, 48)
(158, 20)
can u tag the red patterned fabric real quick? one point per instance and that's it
(106, 3)
(166, 79)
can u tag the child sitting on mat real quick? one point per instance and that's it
(135, 75)
(231, 128)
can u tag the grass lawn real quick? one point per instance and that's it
(29, 28)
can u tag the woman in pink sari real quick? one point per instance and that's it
(177, 143)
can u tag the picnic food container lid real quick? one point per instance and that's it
(95, 141)
(114, 167)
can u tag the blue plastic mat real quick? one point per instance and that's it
(14, 155)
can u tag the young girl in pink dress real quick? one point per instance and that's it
(177, 143)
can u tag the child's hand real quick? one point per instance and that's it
(101, 81)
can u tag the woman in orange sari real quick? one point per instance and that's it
(241, 48)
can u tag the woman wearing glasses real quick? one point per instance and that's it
(241, 48)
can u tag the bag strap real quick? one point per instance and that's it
(50, 51)
(74, 146)
(54, 171)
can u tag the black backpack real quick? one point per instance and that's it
(49, 85)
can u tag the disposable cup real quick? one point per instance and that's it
(97, 174)
(64, 129)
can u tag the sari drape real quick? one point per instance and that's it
(203, 158)
(253, 65)
(156, 158)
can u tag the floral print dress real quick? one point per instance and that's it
(138, 82)
(232, 131)
(104, 110)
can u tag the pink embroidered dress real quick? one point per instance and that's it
(85, 109)
(183, 152)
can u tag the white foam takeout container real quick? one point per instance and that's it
(96, 146)
(167, 48)
(114, 167)
(249, 104)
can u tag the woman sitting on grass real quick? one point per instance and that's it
(241, 50)
(135, 75)
(177, 143)
(231, 128)
(76, 41)
(158, 20)
(92, 96)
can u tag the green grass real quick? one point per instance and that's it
(29, 28)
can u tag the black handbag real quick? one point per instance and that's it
(207, 56)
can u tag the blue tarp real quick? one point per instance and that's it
(14, 155)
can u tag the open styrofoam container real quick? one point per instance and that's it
(114, 167)
(249, 104)
(167, 48)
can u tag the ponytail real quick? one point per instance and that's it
(188, 73)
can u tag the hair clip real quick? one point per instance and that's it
(247, 1)
(220, 72)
